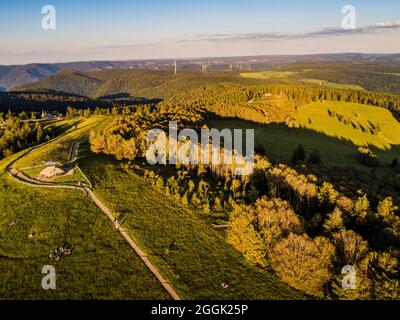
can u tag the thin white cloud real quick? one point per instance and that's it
(268, 36)
(388, 24)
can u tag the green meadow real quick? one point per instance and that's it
(59, 150)
(361, 124)
(336, 140)
(296, 77)
(334, 85)
(265, 75)
(34, 221)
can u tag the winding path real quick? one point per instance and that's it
(22, 178)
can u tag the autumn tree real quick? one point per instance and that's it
(350, 247)
(87, 113)
(333, 222)
(39, 132)
(327, 195)
(362, 208)
(386, 210)
(304, 263)
(243, 236)
(275, 220)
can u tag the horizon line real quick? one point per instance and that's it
(204, 57)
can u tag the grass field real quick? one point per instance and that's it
(296, 77)
(266, 75)
(59, 150)
(280, 142)
(328, 84)
(101, 266)
(181, 242)
(361, 124)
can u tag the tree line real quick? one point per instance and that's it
(16, 135)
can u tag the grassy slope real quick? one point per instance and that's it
(296, 77)
(102, 265)
(280, 142)
(369, 117)
(180, 241)
(336, 141)
(334, 85)
(264, 75)
(59, 150)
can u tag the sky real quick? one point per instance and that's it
(143, 29)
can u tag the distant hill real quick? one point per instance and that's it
(69, 81)
(39, 99)
(11, 76)
(43, 99)
(17, 75)
(131, 83)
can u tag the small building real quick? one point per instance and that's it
(48, 116)
(267, 96)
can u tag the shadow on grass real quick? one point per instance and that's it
(280, 141)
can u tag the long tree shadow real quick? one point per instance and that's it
(279, 142)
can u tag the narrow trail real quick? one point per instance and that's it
(24, 179)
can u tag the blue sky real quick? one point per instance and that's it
(122, 29)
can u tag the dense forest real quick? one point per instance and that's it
(379, 77)
(279, 218)
(133, 83)
(17, 134)
(38, 100)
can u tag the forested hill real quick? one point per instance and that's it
(137, 83)
(69, 81)
(272, 103)
(38, 100)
